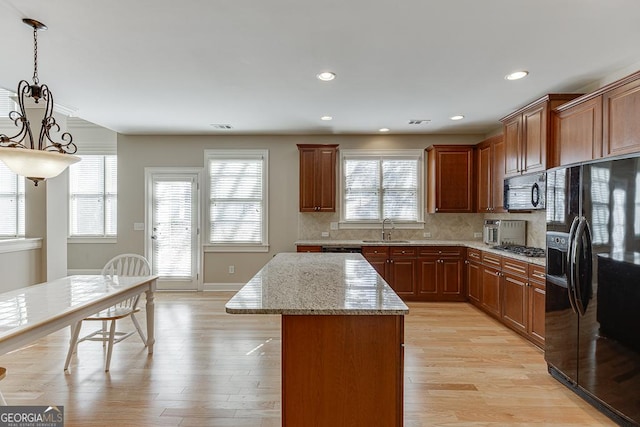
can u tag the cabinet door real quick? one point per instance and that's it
(536, 312)
(307, 180)
(490, 294)
(484, 178)
(402, 276)
(534, 139)
(474, 278)
(378, 257)
(577, 133)
(326, 180)
(428, 278)
(497, 174)
(512, 146)
(452, 279)
(621, 125)
(453, 179)
(514, 302)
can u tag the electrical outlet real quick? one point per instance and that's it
(232, 269)
(477, 235)
(325, 234)
(333, 225)
(426, 234)
(138, 226)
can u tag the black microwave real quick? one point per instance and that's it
(525, 192)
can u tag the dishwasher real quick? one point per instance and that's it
(342, 249)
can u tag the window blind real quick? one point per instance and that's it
(12, 203)
(6, 103)
(172, 207)
(93, 196)
(237, 198)
(378, 187)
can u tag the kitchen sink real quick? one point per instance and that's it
(385, 241)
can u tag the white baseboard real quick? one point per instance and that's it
(223, 286)
(73, 272)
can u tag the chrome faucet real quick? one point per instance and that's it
(392, 227)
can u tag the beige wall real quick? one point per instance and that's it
(136, 152)
(20, 268)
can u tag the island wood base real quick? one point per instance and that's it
(342, 370)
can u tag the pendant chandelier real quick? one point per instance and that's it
(44, 158)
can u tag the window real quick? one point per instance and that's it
(93, 192)
(382, 184)
(237, 197)
(6, 104)
(11, 203)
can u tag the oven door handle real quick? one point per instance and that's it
(535, 195)
(571, 264)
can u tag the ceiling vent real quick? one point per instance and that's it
(222, 126)
(419, 122)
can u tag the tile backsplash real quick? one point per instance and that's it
(441, 226)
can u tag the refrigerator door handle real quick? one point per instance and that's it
(580, 287)
(571, 264)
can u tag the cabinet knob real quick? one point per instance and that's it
(497, 273)
(403, 252)
(436, 209)
(466, 261)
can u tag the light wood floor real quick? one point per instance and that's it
(215, 369)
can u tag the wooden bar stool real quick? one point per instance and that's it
(3, 373)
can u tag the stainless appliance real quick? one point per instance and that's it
(342, 249)
(593, 283)
(504, 232)
(525, 193)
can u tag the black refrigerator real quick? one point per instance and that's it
(592, 317)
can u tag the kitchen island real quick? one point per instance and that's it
(342, 338)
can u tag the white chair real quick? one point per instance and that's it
(121, 265)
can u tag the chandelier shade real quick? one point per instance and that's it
(46, 157)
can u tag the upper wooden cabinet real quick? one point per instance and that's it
(490, 175)
(577, 132)
(603, 123)
(621, 127)
(317, 177)
(450, 178)
(527, 132)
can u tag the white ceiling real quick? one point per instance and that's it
(159, 66)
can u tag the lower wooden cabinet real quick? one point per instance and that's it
(510, 290)
(402, 271)
(441, 274)
(308, 248)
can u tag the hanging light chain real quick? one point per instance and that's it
(35, 56)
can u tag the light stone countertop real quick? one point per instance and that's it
(476, 244)
(317, 284)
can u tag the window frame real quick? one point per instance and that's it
(105, 238)
(381, 155)
(232, 154)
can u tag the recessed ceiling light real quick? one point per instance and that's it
(326, 76)
(516, 75)
(458, 117)
(384, 130)
(326, 118)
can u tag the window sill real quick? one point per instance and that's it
(92, 240)
(17, 245)
(236, 248)
(378, 226)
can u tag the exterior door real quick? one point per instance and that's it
(173, 227)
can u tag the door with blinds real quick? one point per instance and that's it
(173, 227)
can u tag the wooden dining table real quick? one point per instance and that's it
(32, 312)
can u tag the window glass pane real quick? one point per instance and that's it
(6, 103)
(93, 188)
(11, 203)
(379, 187)
(172, 208)
(237, 206)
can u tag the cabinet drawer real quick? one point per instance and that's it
(474, 254)
(375, 250)
(308, 248)
(400, 251)
(445, 251)
(492, 259)
(514, 266)
(537, 273)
